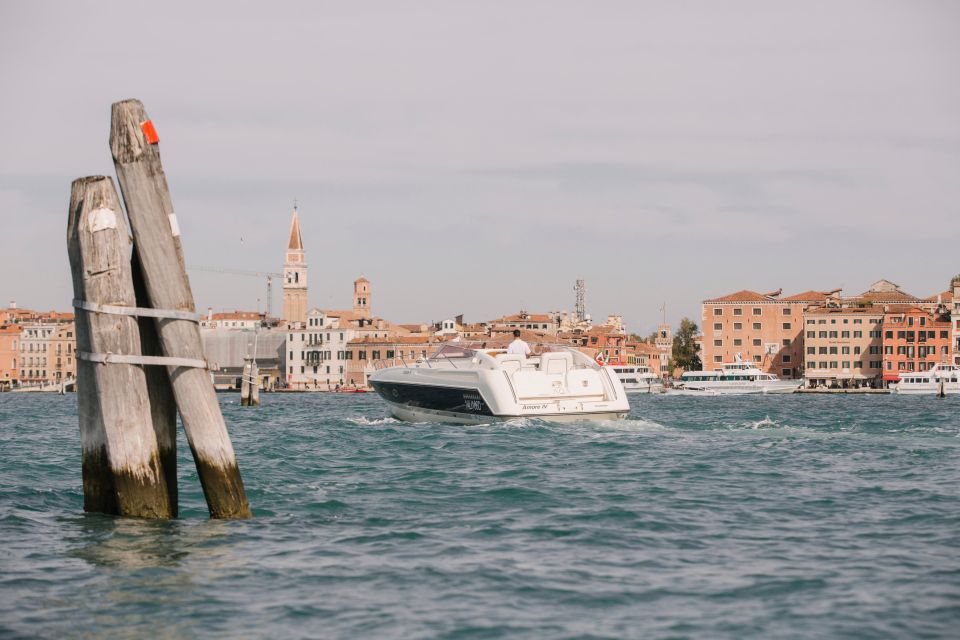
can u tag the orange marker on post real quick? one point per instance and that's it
(149, 132)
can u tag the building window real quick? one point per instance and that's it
(756, 326)
(786, 358)
(737, 342)
(737, 326)
(717, 326)
(718, 343)
(756, 342)
(786, 311)
(718, 311)
(718, 358)
(786, 326)
(738, 311)
(787, 342)
(757, 311)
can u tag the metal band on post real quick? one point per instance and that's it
(141, 312)
(159, 361)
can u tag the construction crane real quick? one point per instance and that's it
(269, 275)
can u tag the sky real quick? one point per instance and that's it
(479, 157)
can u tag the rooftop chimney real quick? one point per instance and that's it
(13, 304)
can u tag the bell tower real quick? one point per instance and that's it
(361, 297)
(295, 276)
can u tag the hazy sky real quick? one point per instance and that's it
(479, 157)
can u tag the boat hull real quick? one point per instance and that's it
(475, 397)
(408, 413)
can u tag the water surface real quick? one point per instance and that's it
(739, 517)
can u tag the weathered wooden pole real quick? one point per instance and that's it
(163, 407)
(133, 143)
(245, 382)
(254, 384)
(118, 442)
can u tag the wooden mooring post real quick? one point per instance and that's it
(245, 383)
(122, 471)
(133, 143)
(163, 407)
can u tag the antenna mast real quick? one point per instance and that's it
(579, 307)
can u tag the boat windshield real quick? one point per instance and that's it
(451, 351)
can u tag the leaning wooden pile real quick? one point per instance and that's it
(139, 354)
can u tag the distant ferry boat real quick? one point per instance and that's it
(945, 376)
(735, 377)
(638, 379)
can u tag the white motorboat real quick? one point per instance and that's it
(637, 378)
(735, 378)
(942, 377)
(471, 385)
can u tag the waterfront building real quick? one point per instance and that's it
(36, 366)
(9, 356)
(295, 277)
(317, 356)
(226, 347)
(843, 344)
(368, 352)
(913, 340)
(62, 357)
(605, 340)
(645, 354)
(540, 323)
(664, 344)
(955, 315)
(248, 320)
(765, 329)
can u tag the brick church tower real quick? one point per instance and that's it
(295, 277)
(361, 297)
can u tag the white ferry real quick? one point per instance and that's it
(638, 378)
(735, 377)
(942, 377)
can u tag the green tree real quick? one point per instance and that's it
(685, 355)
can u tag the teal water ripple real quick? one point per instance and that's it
(751, 517)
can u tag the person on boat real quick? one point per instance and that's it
(518, 346)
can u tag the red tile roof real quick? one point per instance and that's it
(742, 296)
(808, 296)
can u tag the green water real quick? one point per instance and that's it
(740, 517)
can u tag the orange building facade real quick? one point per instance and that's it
(914, 340)
(844, 345)
(9, 355)
(765, 329)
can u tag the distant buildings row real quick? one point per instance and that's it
(866, 339)
(320, 349)
(828, 338)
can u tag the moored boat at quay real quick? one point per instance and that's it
(734, 378)
(471, 385)
(637, 378)
(941, 378)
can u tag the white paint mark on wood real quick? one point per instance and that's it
(102, 218)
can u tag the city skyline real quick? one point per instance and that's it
(480, 160)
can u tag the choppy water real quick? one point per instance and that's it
(749, 517)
